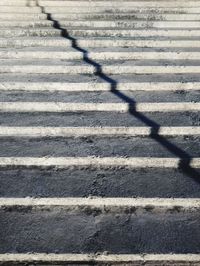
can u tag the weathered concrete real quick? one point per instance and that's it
(99, 132)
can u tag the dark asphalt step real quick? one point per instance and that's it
(111, 182)
(99, 97)
(93, 119)
(156, 146)
(90, 230)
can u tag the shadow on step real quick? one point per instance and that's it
(185, 159)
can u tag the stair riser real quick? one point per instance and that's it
(185, 34)
(98, 119)
(22, 24)
(150, 10)
(113, 182)
(119, 16)
(97, 146)
(105, 69)
(75, 55)
(29, 32)
(132, 24)
(63, 226)
(90, 87)
(22, 17)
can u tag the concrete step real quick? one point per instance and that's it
(82, 181)
(127, 16)
(20, 32)
(99, 100)
(133, 33)
(66, 132)
(21, 9)
(95, 96)
(128, 4)
(100, 54)
(114, 67)
(100, 162)
(64, 216)
(85, 83)
(112, 9)
(102, 32)
(180, 87)
(54, 107)
(34, 41)
(85, 259)
(101, 119)
(91, 42)
(22, 16)
(129, 24)
(16, 3)
(25, 24)
(98, 146)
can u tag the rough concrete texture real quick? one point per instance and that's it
(99, 102)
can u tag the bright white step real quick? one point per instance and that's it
(104, 86)
(38, 132)
(99, 107)
(135, 259)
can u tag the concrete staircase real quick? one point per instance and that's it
(99, 132)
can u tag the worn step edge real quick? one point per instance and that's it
(25, 24)
(103, 202)
(99, 107)
(130, 24)
(132, 162)
(134, 86)
(105, 32)
(119, 4)
(38, 132)
(134, 259)
(90, 69)
(102, 55)
(127, 16)
(113, 69)
(87, 8)
(63, 42)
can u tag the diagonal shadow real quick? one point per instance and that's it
(184, 157)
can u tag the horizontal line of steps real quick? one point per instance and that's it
(91, 161)
(99, 132)
(97, 107)
(23, 32)
(136, 33)
(106, 69)
(126, 24)
(99, 119)
(96, 96)
(80, 181)
(99, 32)
(126, 16)
(106, 24)
(104, 86)
(125, 3)
(39, 132)
(111, 54)
(25, 24)
(108, 3)
(135, 219)
(35, 41)
(130, 146)
(22, 9)
(100, 9)
(129, 259)
(155, 203)
(22, 16)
